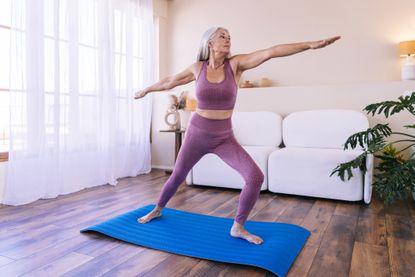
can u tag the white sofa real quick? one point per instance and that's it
(313, 143)
(259, 133)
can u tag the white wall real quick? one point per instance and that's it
(363, 67)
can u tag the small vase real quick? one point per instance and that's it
(264, 82)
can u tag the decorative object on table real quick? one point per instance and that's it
(264, 82)
(172, 117)
(246, 84)
(396, 175)
(407, 49)
(191, 104)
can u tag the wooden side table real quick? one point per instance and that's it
(177, 143)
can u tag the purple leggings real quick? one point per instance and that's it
(205, 136)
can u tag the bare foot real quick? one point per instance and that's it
(238, 231)
(156, 212)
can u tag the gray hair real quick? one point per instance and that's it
(203, 53)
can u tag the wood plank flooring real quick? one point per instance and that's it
(348, 239)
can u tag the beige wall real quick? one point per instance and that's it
(160, 101)
(363, 67)
(368, 51)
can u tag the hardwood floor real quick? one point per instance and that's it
(348, 239)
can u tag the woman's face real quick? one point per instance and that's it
(221, 41)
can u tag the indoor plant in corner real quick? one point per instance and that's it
(395, 175)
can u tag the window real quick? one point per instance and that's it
(5, 23)
(127, 55)
(128, 60)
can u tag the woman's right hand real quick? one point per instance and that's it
(140, 94)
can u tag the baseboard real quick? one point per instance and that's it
(164, 167)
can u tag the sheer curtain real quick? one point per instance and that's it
(75, 65)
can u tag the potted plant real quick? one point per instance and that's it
(395, 176)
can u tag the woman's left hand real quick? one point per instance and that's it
(323, 43)
(140, 94)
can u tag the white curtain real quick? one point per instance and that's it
(75, 65)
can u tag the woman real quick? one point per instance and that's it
(210, 129)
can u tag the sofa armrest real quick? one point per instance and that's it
(189, 177)
(368, 179)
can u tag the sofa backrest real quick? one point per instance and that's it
(322, 128)
(261, 128)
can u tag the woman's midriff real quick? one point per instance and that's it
(215, 114)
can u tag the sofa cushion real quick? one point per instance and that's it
(212, 171)
(257, 128)
(322, 128)
(306, 171)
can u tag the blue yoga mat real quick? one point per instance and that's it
(207, 237)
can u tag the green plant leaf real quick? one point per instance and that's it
(372, 138)
(344, 170)
(404, 103)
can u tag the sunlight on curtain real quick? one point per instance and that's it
(5, 22)
(75, 66)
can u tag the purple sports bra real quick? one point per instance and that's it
(216, 96)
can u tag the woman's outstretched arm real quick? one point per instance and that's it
(184, 77)
(254, 59)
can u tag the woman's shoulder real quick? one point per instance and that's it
(197, 68)
(235, 58)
